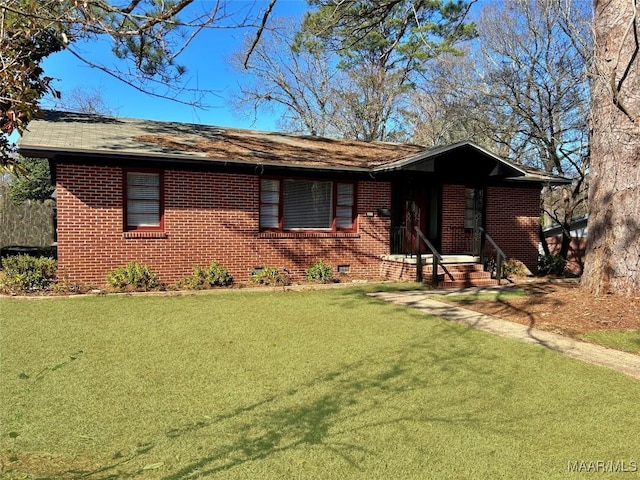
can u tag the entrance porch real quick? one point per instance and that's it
(436, 218)
(453, 271)
(455, 207)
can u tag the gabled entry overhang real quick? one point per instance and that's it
(467, 160)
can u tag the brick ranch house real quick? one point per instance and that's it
(175, 195)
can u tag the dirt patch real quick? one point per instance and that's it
(45, 465)
(562, 307)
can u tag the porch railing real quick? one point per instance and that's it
(458, 240)
(500, 255)
(436, 259)
(461, 239)
(399, 237)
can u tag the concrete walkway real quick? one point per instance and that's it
(423, 300)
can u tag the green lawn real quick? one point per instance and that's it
(625, 340)
(319, 384)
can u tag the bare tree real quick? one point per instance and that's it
(369, 103)
(313, 95)
(532, 68)
(298, 84)
(525, 97)
(350, 68)
(446, 106)
(83, 100)
(535, 67)
(613, 246)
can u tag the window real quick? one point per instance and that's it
(473, 207)
(318, 205)
(344, 205)
(270, 204)
(306, 205)
(143, 200)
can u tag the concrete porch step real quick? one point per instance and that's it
(426, 259)
(467, 275)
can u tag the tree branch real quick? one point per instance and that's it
(616, 87)
(117, 75)
(265, 17)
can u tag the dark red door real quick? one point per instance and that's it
(415, 210)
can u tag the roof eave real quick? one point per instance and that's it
(52, 153)
(434, 152)
(543, 180)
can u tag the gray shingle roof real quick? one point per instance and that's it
(57, 133)
(92, 134)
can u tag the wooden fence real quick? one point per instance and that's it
(28, 225)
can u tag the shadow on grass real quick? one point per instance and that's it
(512, 301)
(282, 430)
(331, 414)
(354, 394)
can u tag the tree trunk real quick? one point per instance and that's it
(613, 239)
(543, 241)
(565, 245)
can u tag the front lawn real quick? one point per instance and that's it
(316, 384)
(625, 340)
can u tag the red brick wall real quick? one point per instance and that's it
(575, 255)
(398, 271)
(208, 216)
(512, 220)
(512, 216)
(453, 208)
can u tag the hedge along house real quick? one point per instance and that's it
(174, 196)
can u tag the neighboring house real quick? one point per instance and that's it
(175, 195)
(577, 247)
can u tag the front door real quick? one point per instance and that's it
(419, 206)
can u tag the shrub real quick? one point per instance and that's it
(215, 275)
(512, 268)
(551, 264)
(27, 273)
(133, 276)
(269, 276)
(320, 272)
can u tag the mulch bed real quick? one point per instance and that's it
(563, 307)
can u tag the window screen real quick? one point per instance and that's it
(143, 200)
(344, 207)
(269, 203)
(292, 204)
(306, 205)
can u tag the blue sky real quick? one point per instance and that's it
(207, 62)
